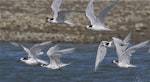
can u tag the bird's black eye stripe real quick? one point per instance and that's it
(25, 58)
(90, 25)
(44, 65)
(51, 18)
(107, 43)
(121, 45)
(116, 60)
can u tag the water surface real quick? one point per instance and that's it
(81, 69)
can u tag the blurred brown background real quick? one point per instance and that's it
(23, 20)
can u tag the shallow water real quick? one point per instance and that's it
(81, 69)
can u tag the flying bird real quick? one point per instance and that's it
(101, 52)
(97, 22)
(54, 55)
(124, 54)
(33, 54)
(60, 15)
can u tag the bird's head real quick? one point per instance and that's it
(43, 65)
(115, 61)
(105, 43)
(89, 27)
(49, 19)
(23, 59)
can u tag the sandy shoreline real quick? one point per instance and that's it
(24, 20)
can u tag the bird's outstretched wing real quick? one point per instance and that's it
(102, 14)
(65, 51)
(37, 48)
(50, 52)
(120, 47)
(57, 55)
(15, 44)
(101, 52)
(128, 53)
(132, 49)
(90, 12)
(27, 51)
(127, 38)
(62, 14)
(56, 7)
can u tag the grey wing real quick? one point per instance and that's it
(57, 55)
(135, 47)
(37, 48)
(128, 53)
(45, 43)
(15, 44)
(119, 48)
(126, 57)
(62, 14)
(127, 38)
(101, 52)
(27, 50)
(52, 50)
(65, 51)
(56, 7)
(102, 14)
(55, 59)
(90, 12)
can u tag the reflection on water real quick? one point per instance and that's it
(81, 69)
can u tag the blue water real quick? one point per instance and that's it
(81, 69)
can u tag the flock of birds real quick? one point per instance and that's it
(124, 52)
(54, 53)
(97, 22)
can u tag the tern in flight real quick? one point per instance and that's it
(54, 55)
(101, 52)
(60, 15)
(97, 22)
(33, 53)
(124, 54)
